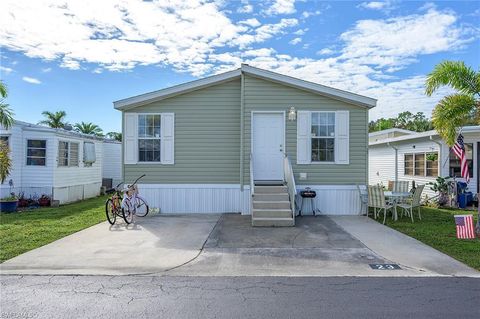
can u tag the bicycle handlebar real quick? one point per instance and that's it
(138, 179)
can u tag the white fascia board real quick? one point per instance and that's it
(138, 100)
(349, 97)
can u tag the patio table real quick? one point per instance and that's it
(396, 197)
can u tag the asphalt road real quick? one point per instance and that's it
(237, 297)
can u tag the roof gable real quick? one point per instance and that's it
(146, 98)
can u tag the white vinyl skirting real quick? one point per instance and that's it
(228, 198)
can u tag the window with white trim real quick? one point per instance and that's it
(36, 152)
(323, 136)
(4, 139)
(149, 137)
(67, 154)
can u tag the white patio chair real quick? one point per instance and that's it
(376, 199)
(413, 202)
(363, 193)
(400, 187)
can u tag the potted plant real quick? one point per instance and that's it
(9, 204)
(22, 201)
(44, 200)
(441, 186)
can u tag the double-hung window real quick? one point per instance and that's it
(36, 152)
(149, 137)
(323, 136)
(67, 153)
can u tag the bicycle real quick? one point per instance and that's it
(125, 205)
(113, 205)
(133, 203)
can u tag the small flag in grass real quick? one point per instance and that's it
(464, 226)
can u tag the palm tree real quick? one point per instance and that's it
(457, 109)
(6, 120)
(6, 113)
(88, 128)
(115, 136)
(54, 120)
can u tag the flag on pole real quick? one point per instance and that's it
(459, 150)
(464, 226)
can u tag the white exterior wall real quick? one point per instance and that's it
(76, 183)
(112, 162)
(228, 198)
(381, 165)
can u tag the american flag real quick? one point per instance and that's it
(459, 150)
(464, 226)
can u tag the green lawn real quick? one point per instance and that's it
(437, 229)
(24, 231)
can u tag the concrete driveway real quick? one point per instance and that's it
(151, 245)
(226, 245)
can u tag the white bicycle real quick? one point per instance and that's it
(133, 203)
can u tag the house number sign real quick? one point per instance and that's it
(385, 266)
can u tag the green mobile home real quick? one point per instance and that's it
(213, 144)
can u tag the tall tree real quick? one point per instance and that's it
(407, 120)
(6, 113)
(6, 120)
(88, 128)
(457, 109)
(115, 136)
(54, 119)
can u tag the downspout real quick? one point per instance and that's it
(396, 160)
(242, 127)
(439, 154)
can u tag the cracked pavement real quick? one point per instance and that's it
(237, 297)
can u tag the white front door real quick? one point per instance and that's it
(268, 146)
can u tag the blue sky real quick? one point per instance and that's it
(80, 56)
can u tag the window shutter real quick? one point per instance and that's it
(342, 132)
(167, 135)
(303, 137)
(130, 139)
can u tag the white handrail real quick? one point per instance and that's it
(290, 181)
(252, 183)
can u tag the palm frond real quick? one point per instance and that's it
(454, 74)
(450, 114)
(3, 90)
(6, 115)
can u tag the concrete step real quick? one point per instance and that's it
(272, 213)
(273, 222)
(271, 205)
(270, 189)
(271, 197)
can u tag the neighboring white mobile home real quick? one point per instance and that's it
(112, 161)
(397, 154)
(60, 163)
(209, 145)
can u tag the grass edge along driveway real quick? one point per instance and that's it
(24, 231)
(437, 230)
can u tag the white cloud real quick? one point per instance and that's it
(325, 51)
(281, 7)
(295, 41)
(46, 70)
(396, 42)
(250, 22)
(308, 14)
(300, 31)
(259, 52)
(246, 8)
(31, 80)
(119, 35)
(5, 70)
(385, 6)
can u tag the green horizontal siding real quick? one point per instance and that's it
(262, 95)
(207, 138)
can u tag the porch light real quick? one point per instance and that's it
(292, 114)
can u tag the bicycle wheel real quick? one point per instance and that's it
(142, 208)
(127, 215)
(110, 212)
